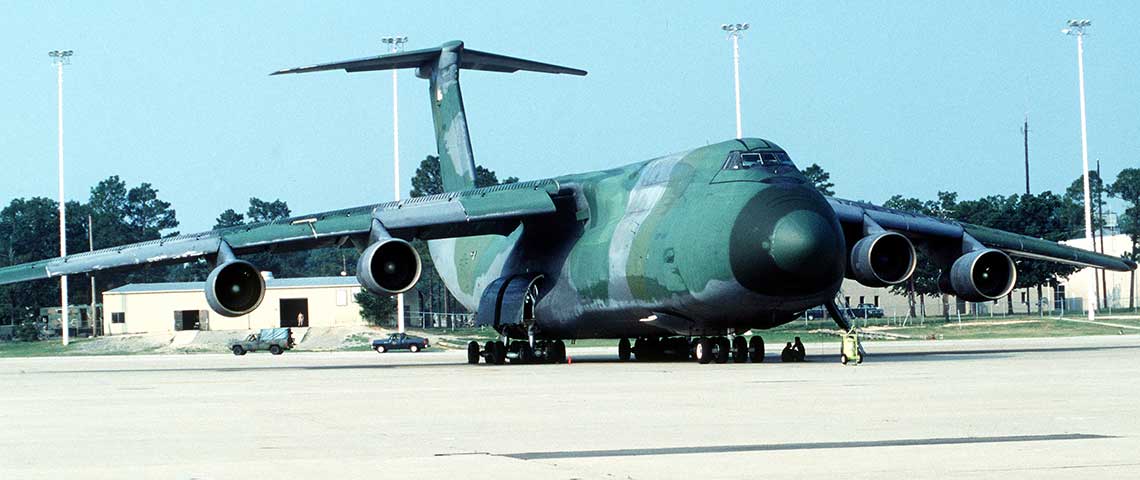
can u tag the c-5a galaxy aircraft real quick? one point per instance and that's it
(677, 252)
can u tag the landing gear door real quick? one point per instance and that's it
(519, 299)
(487, 314)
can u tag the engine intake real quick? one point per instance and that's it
(388, 267)
(983, 275)
(882, 259)
(234, 288)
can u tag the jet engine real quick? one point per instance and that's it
(882, 259)
(234, 288)
(983, 275)
(389, 266)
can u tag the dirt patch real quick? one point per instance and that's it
(125, 344)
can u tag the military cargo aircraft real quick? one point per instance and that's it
(679, 252)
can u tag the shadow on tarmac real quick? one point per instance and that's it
(931, 355)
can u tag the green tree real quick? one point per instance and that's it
(229, 218)
(262, 211)
(379, 310)
(427, 180)
(819, 179)
(1127, 188)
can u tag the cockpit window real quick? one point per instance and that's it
(746, 160)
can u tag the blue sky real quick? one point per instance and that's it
(891, 97)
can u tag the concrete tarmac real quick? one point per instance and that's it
(1037, 408)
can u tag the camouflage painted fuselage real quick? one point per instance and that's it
(674, 245)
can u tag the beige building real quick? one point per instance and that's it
(289, 302)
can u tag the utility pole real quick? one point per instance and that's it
(92, 315)
(1025, 137)
(1100, 226)
(61, 58)
(1077, 29)
(395, 45)
(735, 30)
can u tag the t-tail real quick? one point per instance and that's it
(440, 66)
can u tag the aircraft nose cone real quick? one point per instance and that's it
(787, 242)
(801, 240)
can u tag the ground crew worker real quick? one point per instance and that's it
(788, 355)
(798, 347)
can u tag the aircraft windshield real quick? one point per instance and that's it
(747, 160)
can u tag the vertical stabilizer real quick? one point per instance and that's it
(440, 66)
(452, 140)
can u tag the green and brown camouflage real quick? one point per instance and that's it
(722, 238)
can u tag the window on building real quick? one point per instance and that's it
(876, 300)
(341, 297)
(118, 317)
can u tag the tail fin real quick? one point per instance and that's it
(440, 66)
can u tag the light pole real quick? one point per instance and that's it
(735, 30)
(60, 58)
(396, 44)
(1077, 29)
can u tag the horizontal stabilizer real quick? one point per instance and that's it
(470, 60)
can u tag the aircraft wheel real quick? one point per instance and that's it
(500, 353)
(275, 349)
(623, 350)
(238, 350)
(489, 352)
(739, 349)
(720, 352)
(557, 352)
(756, 349)
(526, 354)
(704, 350)
(472, 352)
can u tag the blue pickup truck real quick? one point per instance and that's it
(400, 341)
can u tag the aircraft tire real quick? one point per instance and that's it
(624, 350)
(500, 353)
(739, 350)
(472, 352)
(756, 349)
(703, 351)
(526, 354)
(561, 349)
(720, 353)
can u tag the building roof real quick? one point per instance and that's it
(270, 284)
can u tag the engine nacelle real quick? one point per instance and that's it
(983, 275)
(388, 267)
(882, 259)
(234, 288)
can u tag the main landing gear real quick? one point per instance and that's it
(517, 351)
(703, 349)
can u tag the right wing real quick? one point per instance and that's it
(497, 209)
(922, 227)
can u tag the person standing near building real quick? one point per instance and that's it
(301, 320)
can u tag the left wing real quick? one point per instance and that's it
(921, 227)
(497, 209)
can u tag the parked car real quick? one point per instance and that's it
(866, 310)
(400, 341)
(276, 340)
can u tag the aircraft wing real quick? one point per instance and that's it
(497, 209)
(922, 227)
